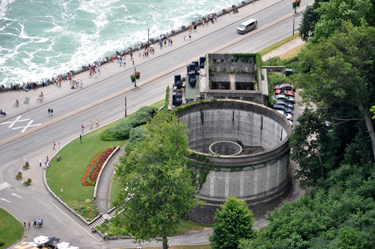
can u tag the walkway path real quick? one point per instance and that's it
(103, 196)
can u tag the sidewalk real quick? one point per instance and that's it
(109, 70)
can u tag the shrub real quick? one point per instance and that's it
(122, 130)
(136, 134)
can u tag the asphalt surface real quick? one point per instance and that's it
(103, 99)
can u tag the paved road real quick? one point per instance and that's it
(36, 201)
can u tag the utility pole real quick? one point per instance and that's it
(125, 108)
(135, 79)
(293, 25)
(148, 37)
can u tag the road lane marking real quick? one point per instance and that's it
(25, 127)
(2, 199)
(16, 195)
(4, 185)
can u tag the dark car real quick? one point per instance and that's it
(282, 102)
(283, 108)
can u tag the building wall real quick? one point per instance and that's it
(258, 178)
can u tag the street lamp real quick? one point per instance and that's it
(148, 37)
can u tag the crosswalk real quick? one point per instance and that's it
(4, 186)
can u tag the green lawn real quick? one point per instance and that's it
(11, 230)
(186, 226)
(75, 158)
(114, 191)
(278, 44)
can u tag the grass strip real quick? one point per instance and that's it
(11, 230)
(278, 44)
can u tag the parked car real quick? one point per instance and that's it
(285, 86)
(282, 102)
(285, 92)
(284, 98)
(284, 108)
(287, 115)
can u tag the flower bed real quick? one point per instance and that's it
(19, 175)
(96, 164)
(27, 182)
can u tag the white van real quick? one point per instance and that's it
(247, 26)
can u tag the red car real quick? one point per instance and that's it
(285, 92)
(285, 86)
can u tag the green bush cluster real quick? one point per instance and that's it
(122, 130)
(87, 209)
(136, 134)
(338, 213)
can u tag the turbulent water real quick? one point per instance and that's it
(42, 38)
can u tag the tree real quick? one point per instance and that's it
(307, 26)
(232, 223)
(341, 69)
(157, 185)
(313, 147)
(334, 12)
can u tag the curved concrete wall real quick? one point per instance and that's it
(255, 178)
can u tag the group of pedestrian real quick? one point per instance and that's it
(97, 125)
(46, 163)
(94, 69)
(50, 112)
(76, 83)
(36, 224)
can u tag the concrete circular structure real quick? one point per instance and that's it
(225, 148)
(259, 173)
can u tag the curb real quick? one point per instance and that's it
(101, 170)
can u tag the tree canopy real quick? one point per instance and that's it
(334, 12)
(232, 223)
(341, 69)
(157, 185)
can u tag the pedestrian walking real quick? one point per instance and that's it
(96, 76)
(171, 42)
(49, 112)
(91, 125)
(34, 223)
(131, 55)
(47, 159)
(24, 225)
(82, 128)
(53, 145)
(96, 123)
(133, 61)
(40, 162)
(184, 36)
(165, 43)
(81, 84)
(189, 37)
(29, 224)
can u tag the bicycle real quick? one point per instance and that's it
(27, 100)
